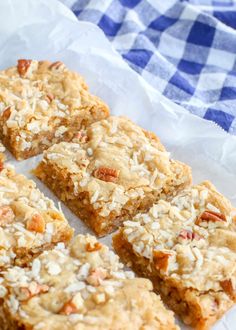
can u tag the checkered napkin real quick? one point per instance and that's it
(183, 49)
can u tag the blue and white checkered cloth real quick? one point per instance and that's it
(185, 49)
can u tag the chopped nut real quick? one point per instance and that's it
(81, 136)
(96, 276)
(6, 113)
(227, 286)
(49, 97)
(69, 308)
(93, 247)
(6, 215)
(24, 294)
(23, 66)
(161, 259)
(36, 288)
(210, 216)
(188, 234)
(33, 289)
(36, 223)
(106, 174)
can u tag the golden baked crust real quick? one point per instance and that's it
(42, 103)
(29, 222)
(79, 288)
(188, 248)
(2, 155)
(110, 172)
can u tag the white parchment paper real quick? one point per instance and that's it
(45, 29)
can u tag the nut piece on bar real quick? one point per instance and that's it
(29, 222)
(80, 288)
(110, 172)
(188, 248)
(42, 103)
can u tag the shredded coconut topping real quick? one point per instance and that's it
(191, 238)
(79, 289)
(39, 103)
(27, 218)
(117, 162)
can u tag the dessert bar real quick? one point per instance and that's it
(42, 103)
(187, 247)
(112, 170)
(29, 222)
(82, 287)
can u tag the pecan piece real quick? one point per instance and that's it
(93, 247)
(210, 216)
(188, 234)
(49, 97)
(24, 294)
(32, 290)
(6, 113)
(161, 260)
(106, 174)
(82, 137)
(36, 223)
(6, 215)
(23, 66)
(36, 288)
(72, 306)
(56, 65)
(96, 276)
(68, 308)
(228, 287)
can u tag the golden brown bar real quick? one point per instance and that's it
(29, 222)
(187, 247)
(42, 103)
(82, 287)
(112, 171)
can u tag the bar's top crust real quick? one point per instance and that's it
(2, 155)
(115, 161)
(28, 219)
(190, 240)
(82, 287)
(36, 96)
